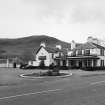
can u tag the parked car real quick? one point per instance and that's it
(22, 66)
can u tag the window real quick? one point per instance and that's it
(58, 63)
(64, 62)
(94, 63)
(69, 62)
(102, 62)
(59, 54)
(102, 52)
(89, 62)
(79, 52)
(87, 52)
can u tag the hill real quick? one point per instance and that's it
(19, 46)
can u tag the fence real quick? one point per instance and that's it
(6, 63)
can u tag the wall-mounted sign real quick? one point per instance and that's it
(42, 57)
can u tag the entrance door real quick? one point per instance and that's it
(64, 62)
(57, 62)
(80, 64)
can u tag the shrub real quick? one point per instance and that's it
(22, 66)
(56, 70)
(50, 73)
(64, 67)
(93, 68)
(51, 66)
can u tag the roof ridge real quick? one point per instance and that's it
(99, 45)
(92, 44)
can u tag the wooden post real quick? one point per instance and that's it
(7, 62)
(67, 62)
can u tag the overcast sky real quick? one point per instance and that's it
(64, 19)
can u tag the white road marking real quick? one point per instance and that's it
(28, 94)
(94, 83)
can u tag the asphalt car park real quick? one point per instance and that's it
(82, 88)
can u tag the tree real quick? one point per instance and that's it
(27, 56)
(51, 66)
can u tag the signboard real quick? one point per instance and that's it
(42, 57)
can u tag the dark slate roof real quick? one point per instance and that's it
(99, 46)
(89, 46)
(78, 44)
(85, 46)
(48, 49)
(53, 50)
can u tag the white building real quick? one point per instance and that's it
(48, 54)
(89, 54)
(96, 41)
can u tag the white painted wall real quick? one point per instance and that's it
(95, 51)
(51, 59)
(56, 54)
(99, 61)
(43, 52)
(34, 63)
(69, 53)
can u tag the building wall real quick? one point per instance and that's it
(98, 53)
(51, 56)
(57, 54)
(99, 61)
(95, 51)
(69, 53)
(43, 52)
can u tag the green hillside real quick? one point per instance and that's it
(20, 46)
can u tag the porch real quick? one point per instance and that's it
(60, 61)
(82, 61)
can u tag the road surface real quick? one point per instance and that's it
(88, 89)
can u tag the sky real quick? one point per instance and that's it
(63, 19)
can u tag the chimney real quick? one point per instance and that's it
(73, 44)
(43, 44)
(90, 39)
(59, 47)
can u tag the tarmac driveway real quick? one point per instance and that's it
(82, 88)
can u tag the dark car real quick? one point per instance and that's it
(22, 66)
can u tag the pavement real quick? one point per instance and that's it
(82, 88)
